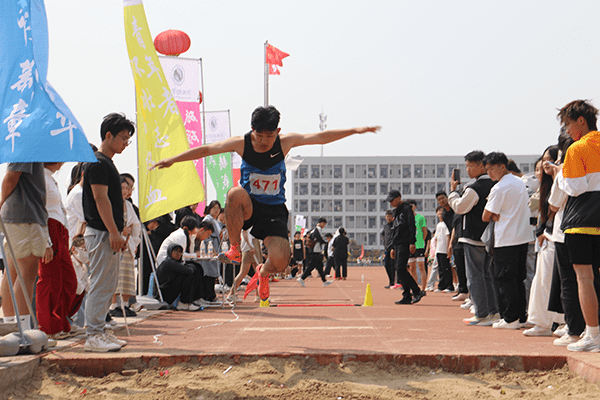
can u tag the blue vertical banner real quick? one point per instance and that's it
(35, 123)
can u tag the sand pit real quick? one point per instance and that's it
(301, 378)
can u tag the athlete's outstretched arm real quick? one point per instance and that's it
(303, 139)
(235, 143)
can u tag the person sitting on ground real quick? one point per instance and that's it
(178, 279)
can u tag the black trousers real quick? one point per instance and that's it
(444, 271)
(231, 272)
(315, 261)
(341, 267)
(190, 287)
(406, 280)
(329, 265)
(461, 271)
(510, 271)
(390, 268)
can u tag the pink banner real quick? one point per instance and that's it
(190, 114)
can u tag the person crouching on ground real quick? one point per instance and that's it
(177, 278)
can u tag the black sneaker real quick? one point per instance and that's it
(417, 297)
(405, 300)
(118, 312)
(108, 317)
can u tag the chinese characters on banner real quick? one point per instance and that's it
(161, 132)
(183, 76)
(219, 166)
(35, 123)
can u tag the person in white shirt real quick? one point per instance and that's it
(442, 236)
(184, 237)
(507, 206)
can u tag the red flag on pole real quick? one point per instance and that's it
(362, 252)
(274, 57)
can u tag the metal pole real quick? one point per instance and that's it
(322, 125)
(266, 68)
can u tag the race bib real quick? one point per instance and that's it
(264, 184)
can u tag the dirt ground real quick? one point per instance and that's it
(298, 378)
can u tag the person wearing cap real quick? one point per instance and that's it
(403, 244)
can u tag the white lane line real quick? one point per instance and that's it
(310, 328)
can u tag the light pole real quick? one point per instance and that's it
(322, 125)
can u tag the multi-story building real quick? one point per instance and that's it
(350, 191)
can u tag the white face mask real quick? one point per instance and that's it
(81, 255)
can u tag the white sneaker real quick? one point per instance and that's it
(202, 302)
(182, 306)
(289, 277)
(110, 335)
(566, 340)
(301, 281)
(327, 283)
(538, 331)
(502, 324)
(587, 343)
(429, 289)
(137, 307)
(99, 343)
(561, 330)
(447, 291)
(466, 305)
(489, 320)
(218, 288)
(460, 297)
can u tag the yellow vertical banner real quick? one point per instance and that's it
(161, 132)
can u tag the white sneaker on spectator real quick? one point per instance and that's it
(137, 307)
(218, 288)
(538, 330)
(289, 277)
(202, 302)
(327, 283)
(182, 306)
(110, 335)
(527, 325)
(566, 340)
(460, 297)
(489, 320)
(99, 343)
(561, 330)
(447, 290)
(473, 320)
(587, 343)
(301, 281)
(429, 289)
(466, 305)
(472, 309)
(502, 324)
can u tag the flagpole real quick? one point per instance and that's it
(266, 68)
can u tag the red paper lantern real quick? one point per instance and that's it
(172, 42)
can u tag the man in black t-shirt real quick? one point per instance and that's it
(103, 210)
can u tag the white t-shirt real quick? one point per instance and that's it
(508, 198)
(75, 217)
(177, 237)
(558, 198)
(441, 238)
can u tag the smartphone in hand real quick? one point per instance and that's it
(456, 174)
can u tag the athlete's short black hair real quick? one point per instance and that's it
(115, 123)
(265, 119)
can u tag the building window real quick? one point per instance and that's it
(314, 189)
(406, 171)
(349, 171)
(419, 205)
(349, 205)
(361, 222)
(326, 189)
(361, 189)
(418, 171)
(418, 188)
(361, 205)
(303, 171)
(382, 221)
(384, 206)
(372, 171)
(349, 188)
(314, 206)
(326, 172)
(406, 188)
(315, 220)
(295, 205)
(372, 189)
(361, 171)
(431, 221)
(372, 239)
(395, 171)
(372, 205)
(303, 206)
(295, 189)
(337, 206)
(296, 174)
(326, 205)
(303, 189)
(441, 187)
(315, 172)
(441, 171)
(430, 204)
(524, 168)
(372, 222)
(351, 236)
(429, 170)
(383, 188)
(337, 222)
(361, 238)
(429, 188)
(337, 189)
(337, 172)
(350, 222)
(383, 171)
